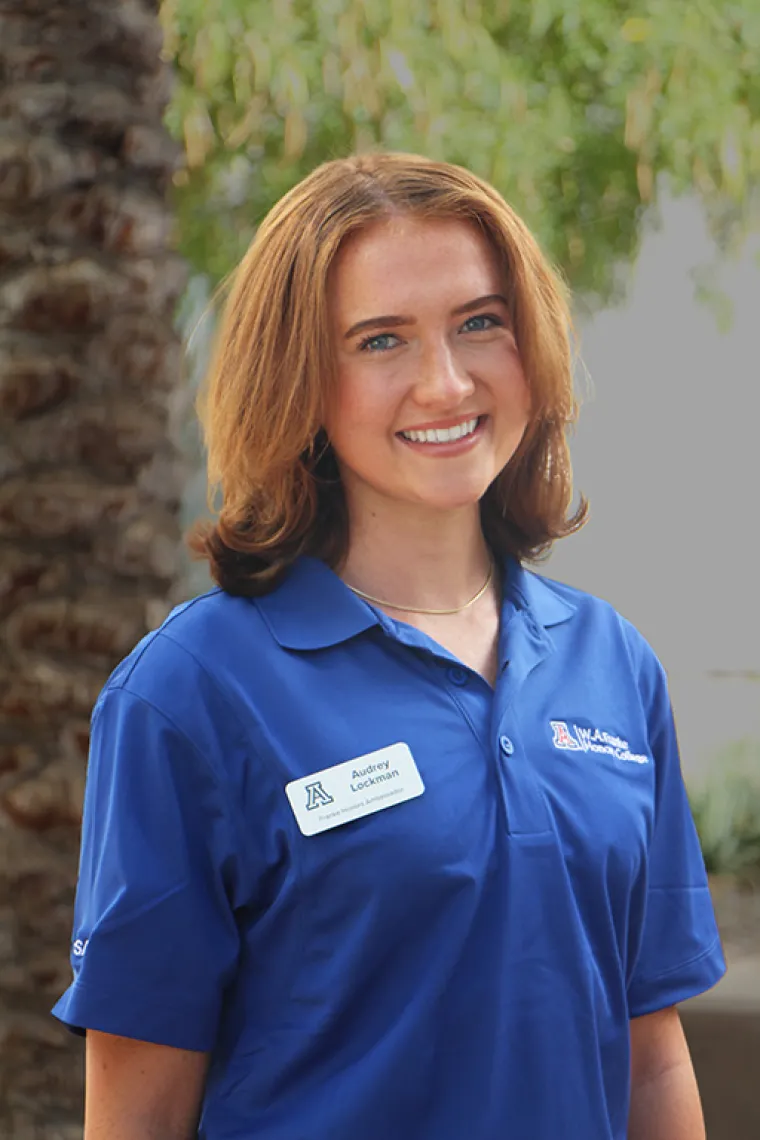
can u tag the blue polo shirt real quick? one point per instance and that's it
(462, 964)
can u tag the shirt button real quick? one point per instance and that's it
(457, 676)
(506, 745)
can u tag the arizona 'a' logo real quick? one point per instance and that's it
(562, 737)
(316, 796)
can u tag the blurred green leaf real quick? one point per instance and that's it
(579, 111)
(726, 812)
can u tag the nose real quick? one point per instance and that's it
(443, 381)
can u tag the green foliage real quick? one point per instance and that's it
(574, 110)
(726, 812)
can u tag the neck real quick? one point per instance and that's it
(417, 558)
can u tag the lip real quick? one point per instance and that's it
(454, 447)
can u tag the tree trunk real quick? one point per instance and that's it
(89, 477)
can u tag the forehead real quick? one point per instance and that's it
(414, 259)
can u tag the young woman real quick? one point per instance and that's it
(386, 837)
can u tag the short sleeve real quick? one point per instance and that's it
(680, 954)
(155, 938)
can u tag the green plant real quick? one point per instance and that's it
(577, 112)
(726, 810)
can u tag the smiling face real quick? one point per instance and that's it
(430, 399)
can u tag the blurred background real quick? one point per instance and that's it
(140, 145)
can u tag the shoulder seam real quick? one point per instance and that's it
(207, 762)
(170, 721)
(241, 737)
(183, 606)
(207, 674)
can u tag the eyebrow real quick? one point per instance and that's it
(393, 322)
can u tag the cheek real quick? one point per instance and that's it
(514, 392)
(504, 374)
(359, 406)
(520, 386)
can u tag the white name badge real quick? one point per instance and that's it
(354, 789)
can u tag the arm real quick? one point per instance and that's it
(665, 1101)
(139, 1091)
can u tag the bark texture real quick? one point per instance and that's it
(89, 477)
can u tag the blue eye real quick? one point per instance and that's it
(490, 318)
(377, 343)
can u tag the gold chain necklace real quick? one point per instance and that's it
(429, 613)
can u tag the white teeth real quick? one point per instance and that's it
(442, 435)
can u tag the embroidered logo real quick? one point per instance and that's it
(575, 738)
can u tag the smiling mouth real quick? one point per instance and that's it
(442, 435)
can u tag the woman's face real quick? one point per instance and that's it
(430, 401)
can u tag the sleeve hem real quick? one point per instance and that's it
(79, 1010)
(695, 984)
(686, 963)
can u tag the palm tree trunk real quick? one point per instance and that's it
(89, 476)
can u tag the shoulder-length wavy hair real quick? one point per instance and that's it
(263, 404)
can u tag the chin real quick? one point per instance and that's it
(452, 498)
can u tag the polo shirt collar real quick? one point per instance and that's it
(313, 609)
(540, 597)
